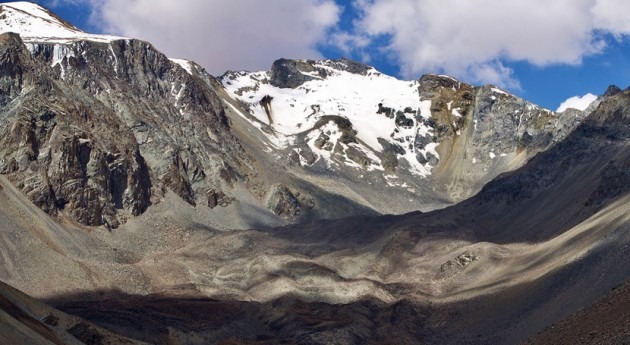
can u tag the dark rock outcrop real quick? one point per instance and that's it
(482, 131)
(287, 73)
(282, 202)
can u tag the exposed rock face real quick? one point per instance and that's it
(287, 73)
(64, 149)
(483, 131)
(283, 203)
(110, 125)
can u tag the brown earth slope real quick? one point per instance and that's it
(607, 321)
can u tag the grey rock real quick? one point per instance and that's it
(288, 73)
(282, 202)
(611, 91)
(109, 129)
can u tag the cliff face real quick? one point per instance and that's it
(101, 130)
(63, 148)
(484, 131)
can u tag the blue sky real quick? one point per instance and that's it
(544, 51)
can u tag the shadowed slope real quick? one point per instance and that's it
(24, 320)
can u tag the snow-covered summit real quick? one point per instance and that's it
(36, 24)
(296, 95)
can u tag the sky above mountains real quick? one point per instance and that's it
(544, 51)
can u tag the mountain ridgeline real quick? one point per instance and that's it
(98, 130)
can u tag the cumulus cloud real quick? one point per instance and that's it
(577, 102)
(472, 39)
(476, 41)
(612, 16)
(223, 34)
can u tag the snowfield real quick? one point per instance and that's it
(353, 96)
(36, 25)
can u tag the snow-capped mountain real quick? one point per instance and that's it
(435, 138)
(312, 102)
(36, 24)
(305, 140)
(143, 195)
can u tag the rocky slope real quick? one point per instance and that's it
(604, 322)
(24, 320)
(100, 127)
(524, 253)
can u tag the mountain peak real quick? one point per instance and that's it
(35, 23)
(611, 91)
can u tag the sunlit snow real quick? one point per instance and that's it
(35, 24)
(353, 96)
(187, 65)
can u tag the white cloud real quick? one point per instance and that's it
(612, 15)
(223, 34)
(577, 102)
(470, 39)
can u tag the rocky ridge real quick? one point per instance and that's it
(102, 128)
(120, 124)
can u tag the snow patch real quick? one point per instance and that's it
(577, 102)
(293, 108)
(425, 109)
(494, 89)
(185, 64)
(60, 52)
(36, 24)
(448, 77)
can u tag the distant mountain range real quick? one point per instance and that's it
(317, 201)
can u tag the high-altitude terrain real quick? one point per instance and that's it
(318, 202)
